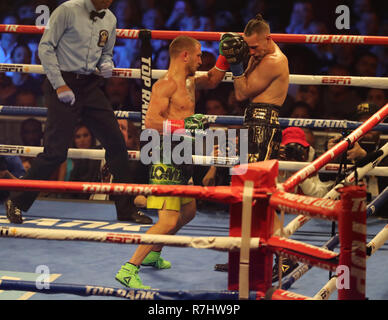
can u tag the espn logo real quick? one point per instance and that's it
(337, 80)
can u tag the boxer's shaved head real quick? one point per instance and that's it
(182, 43)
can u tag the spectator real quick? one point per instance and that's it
(127, 13)
(117, 92)
(26, 13)
(382, 54)
(215, 106)
(378, 97)
(7, 90)
(382, 51)
(31, 132)
(33, 46)
(80, 169)
(312, 95)
(22, 54)
(8, 41)
(361, 6)
(208, 61)
(344, 55)
(302, 16)
(323, 51)
(26, 98)
(206, 7)
(135, 87)
(153, 20)
(366, 65)
(133, 137)
(125, 54)
(182, 10)
(70, 169)
(186, 18)
(368, 24)
(235, 107)
(207, 24)
(303, 110)
(162, 59)
(225, 21)
(339, 100)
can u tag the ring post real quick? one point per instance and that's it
(263, 174)
(352, 234)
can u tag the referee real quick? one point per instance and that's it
(80, 37)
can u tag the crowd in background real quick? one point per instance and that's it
(367, 17)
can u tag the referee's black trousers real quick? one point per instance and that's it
(93, 108)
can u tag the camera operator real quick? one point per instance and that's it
(369, 143)
(294, 147)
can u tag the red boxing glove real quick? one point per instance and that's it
(169, 126)
(222, 64)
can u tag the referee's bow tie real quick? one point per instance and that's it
(94, 14)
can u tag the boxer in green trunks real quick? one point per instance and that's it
(172, 175)
(172, 107)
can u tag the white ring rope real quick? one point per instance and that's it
(300, 220)
(376, 243)
(370, 82)
(216, 243)
(99, 154)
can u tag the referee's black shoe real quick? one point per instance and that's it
(136, 216)
(14, 214)
(223, 267)
(287, 267)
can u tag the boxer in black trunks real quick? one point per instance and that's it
(265, 84)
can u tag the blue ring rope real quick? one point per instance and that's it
(333, 242)
(125, 293)
(318, 124)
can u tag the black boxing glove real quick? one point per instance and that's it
(235, 49)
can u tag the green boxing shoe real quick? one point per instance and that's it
(153, 259)
(128, 277)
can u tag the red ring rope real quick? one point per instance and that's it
(215, 36)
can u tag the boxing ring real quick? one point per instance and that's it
(247, 235)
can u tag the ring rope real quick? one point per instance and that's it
(300, 220)
(99, 154)
(290, 248)
(285, 244)
(370, 82)
(216, 36)
(130, 294)
(215, 243)
(319, 124)
(376, 243)
(310, 254)
(336, 150)
(295, 275)
(334, 241)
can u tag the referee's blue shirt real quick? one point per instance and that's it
(73, 42)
